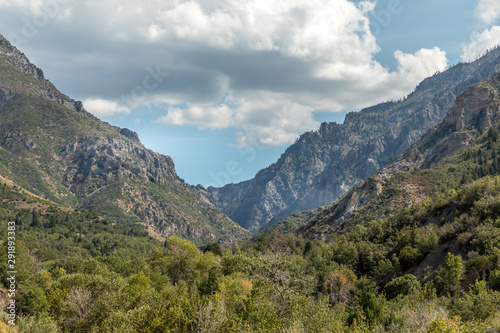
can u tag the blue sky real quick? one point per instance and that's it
(224, 86)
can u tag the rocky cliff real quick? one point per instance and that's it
(51, 146)
(322, 165)
(474, 113)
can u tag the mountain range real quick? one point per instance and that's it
(322, 165)
(51, 146)
(459, 150)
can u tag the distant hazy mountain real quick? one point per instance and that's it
(322, 165)
(52, 147)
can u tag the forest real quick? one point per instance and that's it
(78, 272)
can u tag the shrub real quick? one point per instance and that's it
(403, 285)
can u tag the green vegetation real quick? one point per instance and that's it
(481, 158)
(81, 273)
(293, 222)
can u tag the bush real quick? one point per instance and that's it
(450, 276)
(32, 302)
(408, 256)
(403, 285)
(36, 325)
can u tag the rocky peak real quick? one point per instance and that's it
(480, 101)
(18, 60)
(130, 134)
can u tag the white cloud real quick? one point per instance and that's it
(272, 63)
(480, 43)
(267, 120)
(155, 32)
(412, 68)
(216, 117)
(316, 29)
(418, 66)
(102, 108)
(487, 11)
(272, 121)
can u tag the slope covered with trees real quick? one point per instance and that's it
(462, 148)
(80, 273)
(52, 147)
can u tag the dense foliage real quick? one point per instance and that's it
(80, 273)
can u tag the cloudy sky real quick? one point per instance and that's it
(224, 86)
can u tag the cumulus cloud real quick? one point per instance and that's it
(260, 67)
(216, 117)
(487, 11)
(308, 30)
(416, 67)
(268, 120)
(480, 43)
(103, 108)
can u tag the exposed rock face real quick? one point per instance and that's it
(473, 113)
(6, 94)
(130, 134)
(54, 148)
(19, 60)
(322, 165)
(106, 157)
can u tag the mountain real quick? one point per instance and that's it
(463, 147)
(50, 145)
(322, 165)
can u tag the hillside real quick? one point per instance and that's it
(77, 272)
(322, 165)
(462, 148)
(52, 147)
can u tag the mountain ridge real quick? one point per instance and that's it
(50, 145)
(322, 165)
(475, 114)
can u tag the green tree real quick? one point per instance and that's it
(450, 275)
(403, 285)
(185, 262)
(214, 248)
